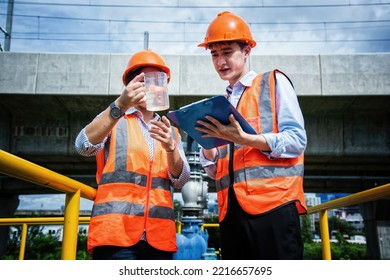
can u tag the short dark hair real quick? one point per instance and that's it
(241, 44)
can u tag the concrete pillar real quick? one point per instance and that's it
(376, 217)
(8, 205)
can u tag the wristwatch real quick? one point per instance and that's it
(115, 111)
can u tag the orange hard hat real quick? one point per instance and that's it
(145, 58)
(228, 27)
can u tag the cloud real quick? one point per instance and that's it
(48, 202)
(280, 27)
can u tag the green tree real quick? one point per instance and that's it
(341, 226)
(40, 246)
(307, 235)
(43, 247)
(82, 253)
(342, 250)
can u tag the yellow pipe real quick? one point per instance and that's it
(353, 199)
(178, 226)
(71, 225)
(324, 231)
(39, 221)
(23, 239)
(19, 168)
(208, 225)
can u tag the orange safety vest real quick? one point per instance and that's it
(260, 184)
(134, 192)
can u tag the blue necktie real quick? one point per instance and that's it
(229, 91)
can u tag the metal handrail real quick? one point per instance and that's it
(39, 221)
(353, 199)
(25, 170)
(16, 167)
(25, 222)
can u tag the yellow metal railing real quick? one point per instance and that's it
(25, 222)
(14, 166)
(19, 168)
(353, 199)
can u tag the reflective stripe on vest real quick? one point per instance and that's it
(265, 105)
(128, 208)
(260, 184)
(260, 172)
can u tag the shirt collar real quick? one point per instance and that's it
(245, 81)
(135, 111)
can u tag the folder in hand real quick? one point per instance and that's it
(217, 107)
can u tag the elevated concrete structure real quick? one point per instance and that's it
(45, 99)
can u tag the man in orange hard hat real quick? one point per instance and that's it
(139, 158)
(259, 178)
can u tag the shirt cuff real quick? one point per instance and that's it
(179, 182)
(276, 144)
(86, 148)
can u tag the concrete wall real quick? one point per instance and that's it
(100, 74)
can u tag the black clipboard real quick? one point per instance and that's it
(218, 107)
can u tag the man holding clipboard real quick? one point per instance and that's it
(259, 177)
(217, 107)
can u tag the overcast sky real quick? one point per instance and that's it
(176, 27)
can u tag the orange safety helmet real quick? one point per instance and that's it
(142, 59)
(228, 27)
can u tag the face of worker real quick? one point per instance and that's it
(229, 60)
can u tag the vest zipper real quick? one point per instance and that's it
(231, 161)
(231, 177)
(148, 187)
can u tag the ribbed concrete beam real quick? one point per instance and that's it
(100, 74)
